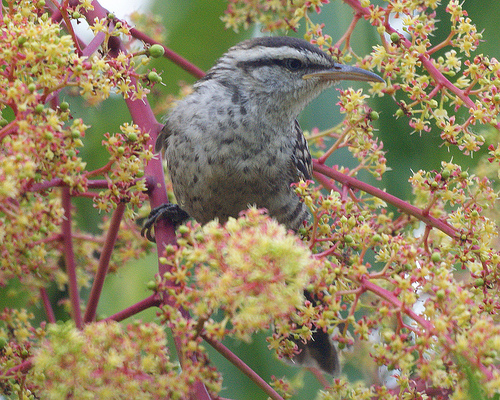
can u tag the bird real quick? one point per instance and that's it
(235, 142)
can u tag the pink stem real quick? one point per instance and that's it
(97, 184)
(40, 187)
(69, 258)
(58, 182)
(389, 198)
(151, 301)
(47, 306)
(94, 44)
(24, 367)
(391, 298)
(8, 129)
(238, 363)
(102, 268)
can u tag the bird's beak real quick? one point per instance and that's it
(341, 72)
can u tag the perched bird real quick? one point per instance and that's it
(235, 141)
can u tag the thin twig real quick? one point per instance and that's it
(49, 311)
(103, 266)
(243, 367)
(151, 301)
(388, 198)
(69, 258)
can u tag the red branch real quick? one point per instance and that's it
(238, 363)
(151, 301)
(103, 266)
(47, 306)
(24, 367)
(58, 182)
(69, 258)
(321, 169)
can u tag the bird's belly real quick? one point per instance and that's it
(220, 193)
(223, 189)
(217, 179)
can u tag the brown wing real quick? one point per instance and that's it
(301, 155)
(161, 140)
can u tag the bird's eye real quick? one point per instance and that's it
(293, 64)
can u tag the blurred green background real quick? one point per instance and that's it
(195, 31)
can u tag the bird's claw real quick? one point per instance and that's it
(169, 211)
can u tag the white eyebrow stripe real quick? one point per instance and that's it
(280, 53)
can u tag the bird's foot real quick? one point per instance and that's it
(169, 211)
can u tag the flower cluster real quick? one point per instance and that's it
(126, 168)
(41, 141)
(29, 228)
(245, 277)
(357, 133)
(107, 360)
(273, 15)
(463, 199)
(39, 144)
(18, 337)
(375, 260)
(251, 270)
(448, 83)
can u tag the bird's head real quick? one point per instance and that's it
(285, 70)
